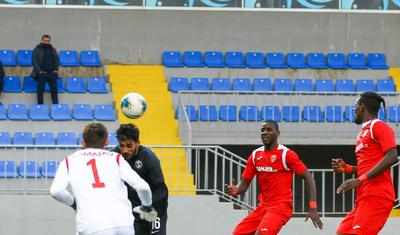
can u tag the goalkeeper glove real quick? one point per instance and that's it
(146, 212)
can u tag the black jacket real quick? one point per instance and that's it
(37, 58)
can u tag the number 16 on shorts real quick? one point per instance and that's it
(156, 225)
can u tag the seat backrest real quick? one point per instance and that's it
(66, 138)
(214, 59)
(283, 84)
(249, 113)
(17, 112)
(29, 169)
(68, 58)
(393, 113)
(262, 84)
(276, 60)
(386, 85)
(178, 84)
(296, 60)
(208, 113)
(30, 85)
(324, 85)
(365, 85)
(333, 113)
(44, 138)
(24, 57)
(76, 85)
(377, 61)
(193, 59)
(234, 59)
(199, 84)
(97, 85)
(12, 84)
(7, 58)
(241, 84)
(228, 113)
(39, 112)
(5, 138)
(291, 113)
(255, 60)
(90, 58)
(48, 169)
(104, 113)
(357, 61)
(172, 59)
(337, 61)
(220, 84)
(303, 85)
(82, 112)
(271, 113)
(60, 112)
(316, 60)
(344, 85)
(312, 114)
(349, 115)
(23, 138)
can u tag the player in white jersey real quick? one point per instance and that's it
(92, 182)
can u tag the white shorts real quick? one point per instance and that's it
(128, 230)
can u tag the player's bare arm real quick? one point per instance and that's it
(312, 210)
(340, 166)
(235, 190)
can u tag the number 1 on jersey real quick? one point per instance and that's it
(97, 183)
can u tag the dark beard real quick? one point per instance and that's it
(46, 45)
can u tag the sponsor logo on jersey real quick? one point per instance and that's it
(138, 164)
(356, 226)
(273, 158)
(266, 169)
(96, 154)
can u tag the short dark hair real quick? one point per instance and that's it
(372, 102)
(274, 123)
(95, 135)
(128, 132)
(45, 36)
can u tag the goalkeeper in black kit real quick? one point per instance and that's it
(147, 165)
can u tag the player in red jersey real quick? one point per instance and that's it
(274, 165)
(376, 153)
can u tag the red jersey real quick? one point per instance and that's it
(375, 138)
(274, 169)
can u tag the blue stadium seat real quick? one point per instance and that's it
(29, 169)
(349, 113)
(49, 169)
(291, 113)
(193, 59)
(5, 138)
(112, 139)
(393, 113)
(90, 58)
(24, 57)
(365, 85)
(221, 84)
(228, 113)
(333, 113)
(303, 85)
(3, 115)
(385, 85)
(255, 60)
(262, 84)
(377, 61)
(60, 112)
(344, 85)
(82, 112)
(337, 61)
(271, 113)
(296, 61)
(172, 59)
(234, 59)
(80, 139)
(97, 85)
(22, 138)
(208, 113)
(66, 138)
(104, 113)
(357, 61)
(12, 84)
(276, 60)
(39, 112)
(178, 84)
(17, 112)
(316, 61)
(7, 57)
(249, 113)
(69, 58)
(323, 85)
(382, 115)
(313, 114)
(214, 59)
(283, 84)
(241, 84)
(8, 169)
(75, 85)
(44, 138)
(30, 85)
(199, 84)
(190, 111)
(60, 86)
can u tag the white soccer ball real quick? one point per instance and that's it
(133, 105)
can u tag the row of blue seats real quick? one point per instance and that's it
(28, 169)
(58, 112)
(47, 139)
(73, 85)
(280, 84)
(236, 59)
(67, 58)
(329, 113)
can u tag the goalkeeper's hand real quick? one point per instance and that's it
(146, 212)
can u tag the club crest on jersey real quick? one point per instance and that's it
(138, 164)
(273, 158)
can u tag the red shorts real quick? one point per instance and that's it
(265, 220)
(367, 218)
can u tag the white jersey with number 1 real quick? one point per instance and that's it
(95, 178)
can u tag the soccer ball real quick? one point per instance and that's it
(133, 105)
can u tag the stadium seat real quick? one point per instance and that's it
(60, 86)
(44, 138)
(12, 84)
(337, 61)
(228, 113)
(178, 84)
(316, 61)
(8, 169)
(255, 60)
(29, 169)
(80, 139)
(365, 85)
(7, 57)
(271, 113)
(357, 61)
(313, 114)
(385, 85)
(17, 112)
(214, 59)
(5, 138)
(75, 85)
(241, 84)
(3, 115)
(377, 61)
(208, 113)
(234, 59)
(291, 113)
(172, 59)
(112, 139)
(39, 112)
(349, 115)
(344, 85)
(191, 113)
(283, 84)
(303, 85)
(49, 169)
(82, 112)
(333, 113)
(30, 85)
(296, 61)
(24, 57)
(97, 85)
(22, 138)
(382, 115)
(69, 58)
(322, 85)
(66, 138)
(199, 84)
(60, 112)
(104, 113)
(90, 58)
(193, 59)
(249, 113)
(276, 60)
(221, 84)
(393, 113)
(262, 84)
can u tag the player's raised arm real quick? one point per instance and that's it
(340, 166)
(60, 184)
